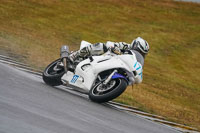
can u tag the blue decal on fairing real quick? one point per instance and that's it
(74, 79)
(135, 64)
(140, 74)
(138, 67)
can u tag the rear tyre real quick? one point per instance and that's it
(100, 93)
(52, 74)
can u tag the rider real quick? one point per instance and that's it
(138, 46)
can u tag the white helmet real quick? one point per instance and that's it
(140, 45)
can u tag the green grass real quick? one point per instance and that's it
(34, 30)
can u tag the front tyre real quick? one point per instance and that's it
(53, 73)
(102, 93)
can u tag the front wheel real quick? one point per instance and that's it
(102, 93)
(53, 73)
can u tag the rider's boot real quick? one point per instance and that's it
(74, 56)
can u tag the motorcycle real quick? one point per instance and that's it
(103, 77)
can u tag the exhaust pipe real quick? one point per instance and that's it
(64, 54)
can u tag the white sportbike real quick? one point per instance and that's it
(103, 77)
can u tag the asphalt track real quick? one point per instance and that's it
(27, 105)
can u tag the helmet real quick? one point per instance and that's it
(140, 45)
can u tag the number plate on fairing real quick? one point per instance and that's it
(74, 79)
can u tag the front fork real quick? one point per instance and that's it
(114, 75)
(109, 78)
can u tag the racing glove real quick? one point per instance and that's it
(115, 50)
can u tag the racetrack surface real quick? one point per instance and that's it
(27, 105)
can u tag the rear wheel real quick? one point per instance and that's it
(53, 73)
(102, 93)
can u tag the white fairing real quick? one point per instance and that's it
(86, 72)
